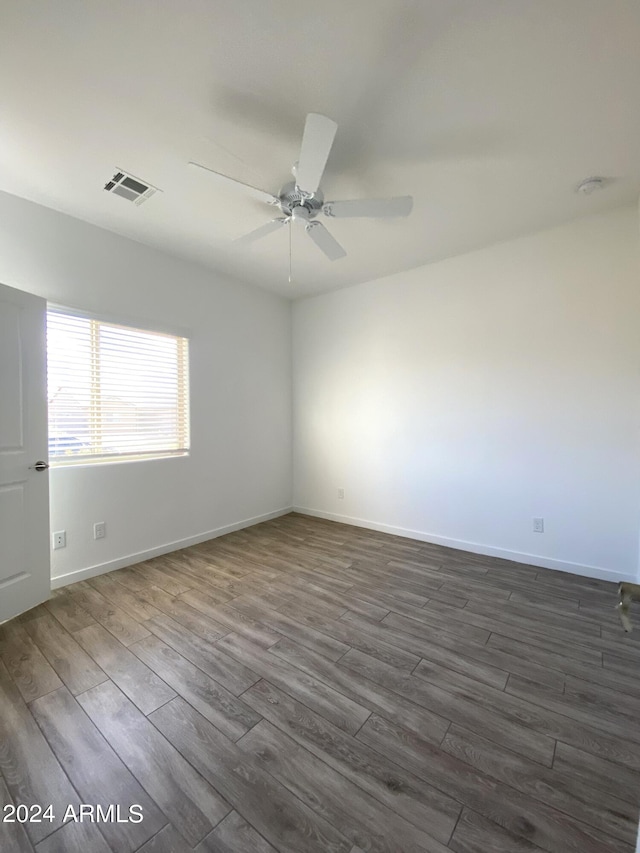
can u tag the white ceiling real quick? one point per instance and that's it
(488, 112)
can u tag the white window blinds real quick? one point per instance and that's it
(114, 392)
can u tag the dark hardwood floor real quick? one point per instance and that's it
(307, 687)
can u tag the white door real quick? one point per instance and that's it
(24, 490)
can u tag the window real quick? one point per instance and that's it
(114, 392)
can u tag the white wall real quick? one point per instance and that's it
(457, 401)
(240, 348)
(452, 403)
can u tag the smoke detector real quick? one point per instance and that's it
(591, 185)
(129, 187)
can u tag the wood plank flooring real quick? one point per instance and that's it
(308, 687)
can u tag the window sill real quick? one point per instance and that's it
(92, 462)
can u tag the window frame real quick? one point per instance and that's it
(184, 386)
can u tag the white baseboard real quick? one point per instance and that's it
(132, 559)
(475, 547)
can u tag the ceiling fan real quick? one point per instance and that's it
(301, 200)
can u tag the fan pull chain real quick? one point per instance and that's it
(290, 228)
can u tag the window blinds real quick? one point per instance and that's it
(113, 391)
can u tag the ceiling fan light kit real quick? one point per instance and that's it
(301, 200)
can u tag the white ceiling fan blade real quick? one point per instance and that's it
(324, 241)
(262, 231)
(371, 207)
(319, 132)
(261, 195)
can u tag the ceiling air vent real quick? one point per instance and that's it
(133, 189)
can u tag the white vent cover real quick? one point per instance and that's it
(133, 189)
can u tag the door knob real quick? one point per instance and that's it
(40, 466)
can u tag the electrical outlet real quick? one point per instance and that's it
(99, 530)
(59, 539)
(340, 494)
(538, 525)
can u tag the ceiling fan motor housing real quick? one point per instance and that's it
(291, 196)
